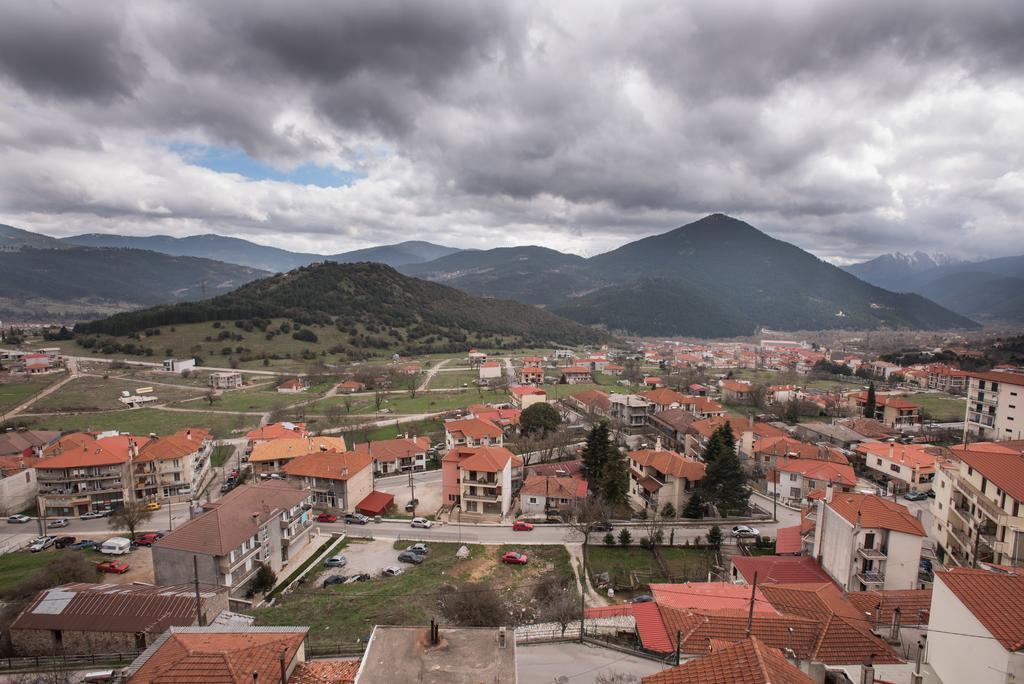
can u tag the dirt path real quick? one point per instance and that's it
(590, 597)
(72, 374)
(431, 373)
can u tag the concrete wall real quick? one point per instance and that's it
(835, 545)
(18, 492)
(968, 658)
(506, 488)
(173, 566)
(359, 487)
(904, 557)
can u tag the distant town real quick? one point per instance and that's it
(679, 506)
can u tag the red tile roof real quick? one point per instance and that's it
(1003, 466)
(80, 450)
(917, 456)
(576, 370)
(325, 672)
(559, 487)
(393, 449)
(375, 503)
(812, 469)
(780, 569)
(182, 443)
(787, 539)
(473, 428)
(709, 596)
(870, 511)
(735, 386)
(595, 399)
(526, 389)
(745, 662)
(914, 604)
(277, 431)
(212, 657)
(650, 627)
(328, 465)
(995, 598)
(996, 376)
(486, 459)
(782, 445)
(669, 463)
(666, 397)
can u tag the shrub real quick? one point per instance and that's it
(609, 539)
(625, 538)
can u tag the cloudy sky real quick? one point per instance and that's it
(850, 129)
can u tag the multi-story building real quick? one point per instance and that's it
(629, 410)
(865, 542)
(472, 432)
(658, 477)
(543, 493)
(795, 478)
(249, 527)
(978, 505)
(903, 467)
(225, 380)
(480, 479)
(271, 456)
(943, 377)
(80, 474)
(531, 375)
(525, 396)
(401, 455)
(172, 468)
(891, 410)
(995, 406)
(337, 480)
(576, 375)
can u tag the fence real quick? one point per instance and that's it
(66, 662)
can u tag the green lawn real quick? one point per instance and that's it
(430, 428)
(444, 379)
(402, 403)
(262, 399)
(14, 567)
(944, 408)
(15, 390)
(220, 454)
(144, 421)
(101, 394)
(342, 614)
(622, 562)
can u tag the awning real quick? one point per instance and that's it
(375, 503)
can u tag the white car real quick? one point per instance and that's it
(421, 522)
(392, 571)
(745, 531)
(19, 519)
(419, 549)
(91, 516)
(41, 543)
(59, 522)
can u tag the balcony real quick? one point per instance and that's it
(480, 496)
(871, 578)
(959, 536)
(974, 494)
(483, 482)
(871, 553)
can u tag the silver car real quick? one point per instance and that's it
(40, 544)
(392, 571)
(59, 522)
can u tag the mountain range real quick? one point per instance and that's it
(237, 251)
(991, 290)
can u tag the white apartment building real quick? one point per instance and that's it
(868, 543)
(995, 406)
(978, 505)
(903, 467)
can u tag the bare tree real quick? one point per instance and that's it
(561, 606)
(378, 398)
(211, 396)
(346, 401)
(131, 516)
(473, 604)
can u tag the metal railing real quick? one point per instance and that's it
(69, 661)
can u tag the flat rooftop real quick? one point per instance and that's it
(464, 655)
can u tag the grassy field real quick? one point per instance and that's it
(144, 421)
(101, 394)
(433, 429)
(14, 567)
(944, 408)
(342, 614)
(220, 454)
(15, 390)
(443, 379)
(261, 399)
(622, 562)
(402, 403)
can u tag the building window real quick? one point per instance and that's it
(533, 499)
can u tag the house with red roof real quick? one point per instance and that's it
(480, 479)
(282, 430)
(792, 479)
(658, 477)
(472, 432)
(904, 467)
(653, 382)
(576, 375)
(975, 631)
(531, 375)
(892, 410)
(735, 391)
(476, 358)
(865, 542)
(663, 399)
(525, 396)
(490, 370)
(350, 387)
(750, 661)
(777, 570)
(505, 417)
(337, 480)
(171, 468)
(543, 493)
(400, 455)
(80, 474)
(292, 386)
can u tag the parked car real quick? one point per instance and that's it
(515, 558)
(745, 531)
(59, 522)
(421, 522)
(93, 515)
(361, 577)
(644, 598)
(421, 548)
(602, 526)
(116, 546)
(915, 496)
(41, 543)
(356, 519)
(83, 544)
(522, 526)
(334, 579)
(118, 567)
(63, 542)
(153, 506)
(326, 518)
(226, 487)
(411, 506)
(392, 571)
(19, 519)
(148, 538)
(336, 562)
(410, 557)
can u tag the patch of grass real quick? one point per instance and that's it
(316, 555)
(622, 562)
(144, 421)
(434, 429)
(220, 454)
(17, 390)
(101, 394)
(944, 408)
(14, 567)
(262, 399)
(444, 379)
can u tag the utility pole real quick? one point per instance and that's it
(170, 520)
(750, 613)
(412, 493)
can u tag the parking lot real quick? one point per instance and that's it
(427, 486)
(365, 557)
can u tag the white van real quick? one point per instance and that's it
(116, 546)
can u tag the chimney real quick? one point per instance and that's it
(894, 633)
(867, 675)
(828, 493)
(284, 670)
(502, 637)
(892, 450)
(657, 443)
(188, 434)
(750, 421)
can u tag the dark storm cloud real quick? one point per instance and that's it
(72, 49)
(849, 129)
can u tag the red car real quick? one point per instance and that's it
(148, 538)
(326, 517)
(118, 567)
(515, 558)
(520, 526)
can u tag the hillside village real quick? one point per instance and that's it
(814, 512)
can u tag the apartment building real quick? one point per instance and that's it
(902, 467)
(525, 396)
(172, 468)
(80, 474)
(978, 502)
(995, 406)
(946, 378)
(867, 543)
(337, 480)
(249, 527)
(401, 455)
(658, 477)
(472, 432)
(629, 410)
(272, 456)
(795, 478)
(891, 410)
(480, 479)
(531, 375)
(576, 375)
